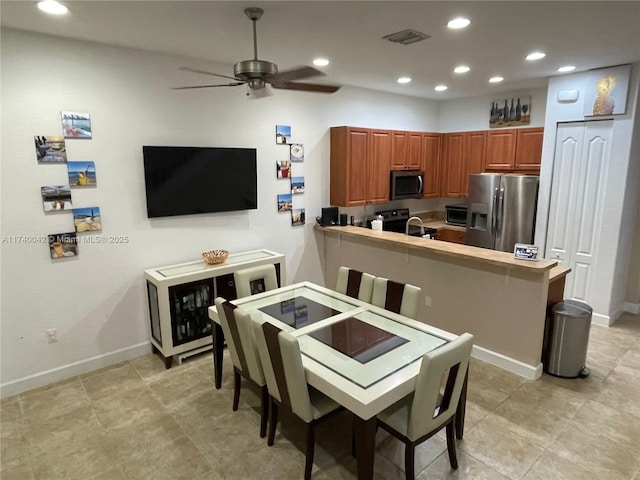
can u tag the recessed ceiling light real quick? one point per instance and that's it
(496, 79)
(536, 56)
(52, 7)
(461, 69)
(440, 88)
(404, 80)
(321, 62)
(459, 22)
(567, 68)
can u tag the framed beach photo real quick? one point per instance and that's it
(297, 216)
(76, 125)
(63, 245)
(297, 185)
(81, 174)
(283, 134)
(56, 198)
(284, 202)
(50, 149)
(87, 219)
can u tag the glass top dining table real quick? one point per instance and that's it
(364, 357)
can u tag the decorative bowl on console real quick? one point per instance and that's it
(213, 257)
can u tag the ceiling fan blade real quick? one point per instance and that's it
(204, 72)
(307, 87)
(209, 86)
(296, 73)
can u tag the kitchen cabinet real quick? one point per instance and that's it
(462, 153)
(513, 149)
(449, 235)
(406, 150)
(179, 297)
(360, 166)
(430, 164)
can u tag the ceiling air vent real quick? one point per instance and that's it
(406, 37)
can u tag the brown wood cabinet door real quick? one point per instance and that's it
(414, 150)
(453, 236)
(357, 155)
(475, 150)
(431, 143)
(452, 164)
(501, 149)
(379, 166)
(399, 150)
(529, 149)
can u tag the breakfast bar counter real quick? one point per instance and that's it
(501, 300)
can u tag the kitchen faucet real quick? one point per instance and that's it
(406, 230)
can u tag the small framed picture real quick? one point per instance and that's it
(522, 251)
(76, 125)
(283, 134)
(297, 152)
(50, 149)
(63, 245)
(283, 169)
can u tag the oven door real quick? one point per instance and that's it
(406, 184)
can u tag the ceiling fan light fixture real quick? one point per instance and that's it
(458, 23)
(406, 37)
(321, 62)
(404, 80)
(440, 88)
(496, 79)
(52, 7)
(567, 68)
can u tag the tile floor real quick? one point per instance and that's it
(136, 421)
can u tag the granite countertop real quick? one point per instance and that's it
(466, 252)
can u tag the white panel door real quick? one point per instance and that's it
(577, 194)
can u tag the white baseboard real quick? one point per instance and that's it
(507, 363)
(77, 368)
(602, 320)
(631, 307)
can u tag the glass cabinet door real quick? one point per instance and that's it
(189, 316)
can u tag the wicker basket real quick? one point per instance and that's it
(213, 257)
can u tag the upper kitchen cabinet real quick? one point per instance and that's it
(514, 150)
(462, 153)
(406, 148)
(431, 144)
(360, 165)
(529, 149)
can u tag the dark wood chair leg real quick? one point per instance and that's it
(218, 346)
(309, 450)
(236, 389)
(409, 458)
(451, 443)
(273, 421)
(264, 411)
(462, 407)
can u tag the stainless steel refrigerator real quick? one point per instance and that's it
(501, 210)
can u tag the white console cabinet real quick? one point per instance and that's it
(179, 296)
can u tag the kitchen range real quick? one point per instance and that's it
(396, 221)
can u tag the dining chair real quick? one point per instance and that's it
(354, 283)
(252, 280)
(396, 297)
(287, 385)
(432, 406)
(236, 325)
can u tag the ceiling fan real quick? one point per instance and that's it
(257, 73)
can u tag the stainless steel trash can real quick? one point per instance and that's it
(567, 339)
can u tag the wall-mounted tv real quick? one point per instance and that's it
(188, 180)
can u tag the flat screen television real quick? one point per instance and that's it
(189, 180)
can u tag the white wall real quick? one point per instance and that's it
(97, 300)
(619, 196)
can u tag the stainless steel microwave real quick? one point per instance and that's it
(406, 184)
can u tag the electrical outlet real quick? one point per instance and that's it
(52, 335)
(427, 301)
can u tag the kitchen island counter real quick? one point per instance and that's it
(463, 252)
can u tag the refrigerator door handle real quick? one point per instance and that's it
(494, 212)
(500, 213)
